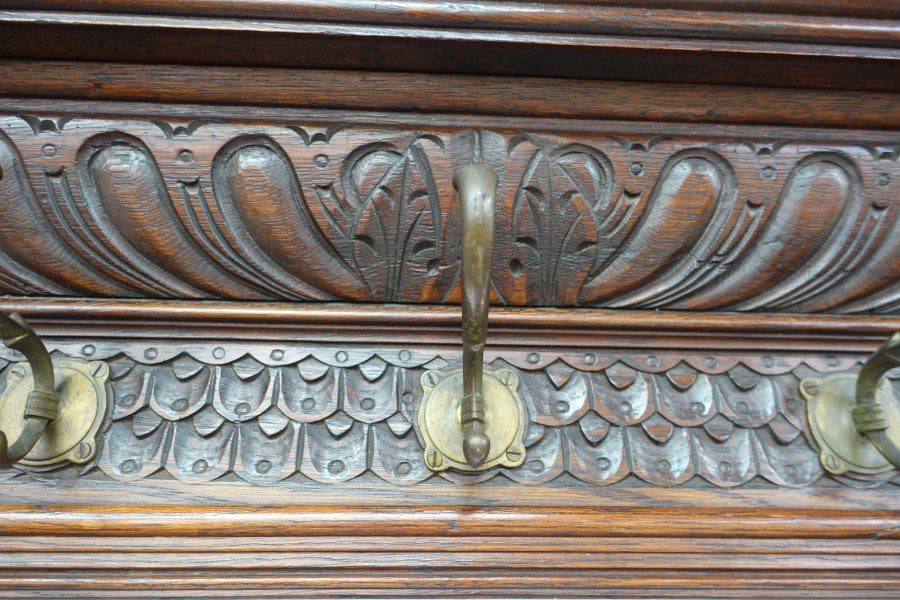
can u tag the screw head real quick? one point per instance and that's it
(82, 451)
(513, 455)
(434, 459)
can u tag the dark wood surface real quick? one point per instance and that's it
(741, 43)
(323, 211)
(671, 158)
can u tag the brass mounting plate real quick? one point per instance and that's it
(442, 432)
(81, 386)
(830, 404)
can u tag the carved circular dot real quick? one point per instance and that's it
(151, 353)
(636, 169)
(534, 358)
(434, 266)
(180, 405)
(218, 352)
(408, 398)
(242, 409)
(768, 361)
(128, 467)
(48, 150)
(726, 468)
(404, 468)
(710, 361)
(767, 172)
(405, 355)
(536, 466)
(743, 407)
(562, 406)
(186, 156)
(341, 356)
(603, 463)
(625, 407)
(792, 471)
(755, 201)
(764, 152)
(200, 466)
(515, 268)
(697, 408)
(652, 361)
(367, 404)
(88, 350)
(335, 467)
(127, 400)
(263, 466)
(321, 161)
(832, 361)
(276, 354)
(590, 359)
(308, 404)
(882, 179)
(664, 465)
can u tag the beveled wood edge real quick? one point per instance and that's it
(488, 21)
(449, 520)
(131, 110)
(541, 97)
(437, 325)
(558, 15)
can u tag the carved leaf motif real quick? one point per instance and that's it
(397, 224)
(555, 223)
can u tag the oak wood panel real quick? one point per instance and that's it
(440, 93)
(625, 400)
(624, 43)
(318, 212)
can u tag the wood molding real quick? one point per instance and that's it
(622, 395)
(643, 43)
(427, 94)
(582, 220)
(335, 551)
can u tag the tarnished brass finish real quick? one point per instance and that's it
(856, 418)
(54, 414)
(472, 420)
(440, 421)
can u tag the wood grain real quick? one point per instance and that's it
(636, 43)
(241, 211)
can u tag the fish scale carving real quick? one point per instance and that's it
(201, 209)
(308, 420)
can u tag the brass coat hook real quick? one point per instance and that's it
(53, 414)
(856, 418)
(472, 419)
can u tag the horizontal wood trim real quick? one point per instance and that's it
(643, 19)
(454, 520)
(441, 324)
(412, 92)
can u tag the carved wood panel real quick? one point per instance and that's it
(207, 209)
(331, 414)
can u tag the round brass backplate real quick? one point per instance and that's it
(442, 432)
(81, 386)
(830, 403)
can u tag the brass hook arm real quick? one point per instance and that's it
(868, 415)
(43, 403)
(477, 186)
